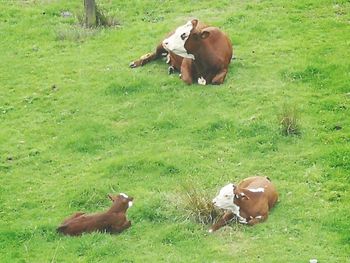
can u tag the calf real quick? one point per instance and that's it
(250, 201)
(201, 53)
(113, 220)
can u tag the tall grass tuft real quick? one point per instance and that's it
(197, 204)
(75, 34)
(289, 121)
(103, 18)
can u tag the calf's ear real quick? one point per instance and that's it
(239, 194)
(194, 23)
(204, 34)
(244, 197)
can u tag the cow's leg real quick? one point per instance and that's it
(220, 77)
(187, 71)
(160, 52)
(224, 220)
(257, 219)
(72, 217)
(120, 228)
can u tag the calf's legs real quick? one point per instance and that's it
(220, 77)
(149, 57)
(120, 228)
(257, 219)
(224, 220)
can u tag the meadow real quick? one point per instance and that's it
(76, 124)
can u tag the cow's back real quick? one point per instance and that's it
(256, 182)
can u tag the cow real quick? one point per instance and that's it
(113, 220)
(249, 201)
(200, 53)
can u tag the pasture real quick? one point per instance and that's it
(76, 124)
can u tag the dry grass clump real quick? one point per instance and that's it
(289, 121)
(105, 19)
(197, 205)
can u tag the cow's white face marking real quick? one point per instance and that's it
(257, 190)
(225, 200)
(130, 204)
(176, 42)
(124, 195)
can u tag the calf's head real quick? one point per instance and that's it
(224, 199)
(185, 40)
(121, 202)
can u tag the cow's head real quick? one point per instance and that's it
(185, 39)
(224, 199)
(121, 201)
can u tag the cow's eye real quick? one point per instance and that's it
(183, 36)
(226, 195)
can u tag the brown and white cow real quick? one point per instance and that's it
(250, 201)
(113, 220)
(199, 52)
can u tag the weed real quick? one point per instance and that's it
(103, 18)
(74, 33)
(197, 204)
(289, 121)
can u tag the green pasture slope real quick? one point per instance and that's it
(76, 124)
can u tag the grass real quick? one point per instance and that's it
(76, 124)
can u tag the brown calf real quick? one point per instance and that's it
(250, 201)
(113, 221)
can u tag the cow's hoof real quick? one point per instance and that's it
(210, 231)
(171, 70)
(132, 65)
(202, 81)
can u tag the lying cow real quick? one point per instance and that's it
(113, 221)
(200, 53)
(250, 201)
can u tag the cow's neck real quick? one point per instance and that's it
(116, 208)
(236, 209)
(202, 66)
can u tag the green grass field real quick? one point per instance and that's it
(77, 124)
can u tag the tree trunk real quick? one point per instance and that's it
(90, 13)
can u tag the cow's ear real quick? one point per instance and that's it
(244, 197)
(204, 34)
(194, 23)
(110, 197)
(241, 196)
